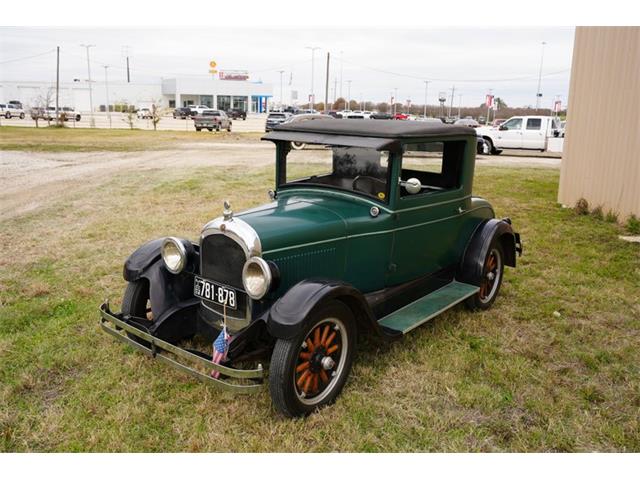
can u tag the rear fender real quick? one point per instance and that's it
(472, 265)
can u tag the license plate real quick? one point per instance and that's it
(215, 293)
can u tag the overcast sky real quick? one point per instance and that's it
(375, 60)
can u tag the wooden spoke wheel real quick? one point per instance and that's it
(136, 302)
(491, 279)
(309, 370)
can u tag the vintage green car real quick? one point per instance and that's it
(371, 230)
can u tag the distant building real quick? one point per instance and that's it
(223, 94)
(601, 157)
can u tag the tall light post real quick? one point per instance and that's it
(348, 95)
(312, 97)
(426, 89)
(395, 100)
(539, 93)
(459, 104)
(341, 66)
(93, 122)
(281, 95)
(106, 87)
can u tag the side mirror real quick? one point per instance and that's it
(412, 186)
(502, 127)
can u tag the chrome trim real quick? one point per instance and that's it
(264, 266)
(245, 236)
(183, 254)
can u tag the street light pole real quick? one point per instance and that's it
(453, 92)
(395, 100)
(93, 122)
(539, 93)
(426, 89)
(341, 65)
(459, 105)
(312, 97)
(106, 87)
(348, 95)
(281, 95)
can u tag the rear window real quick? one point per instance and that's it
(534, 123)
(211, 113)
(276, 115)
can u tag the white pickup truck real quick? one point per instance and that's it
(526, 132)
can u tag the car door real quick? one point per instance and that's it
(427, 224)
(534, 133)
(510, 134)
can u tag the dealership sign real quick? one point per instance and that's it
(234, 75)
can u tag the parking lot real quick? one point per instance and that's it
(253, 123)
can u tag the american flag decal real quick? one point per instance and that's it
(220, 348)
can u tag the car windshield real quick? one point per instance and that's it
(276, 115)
(211, 113)
(355, 169)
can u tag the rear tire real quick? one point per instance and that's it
(491, 280)
(136, 302)
(7, 115)
(198, 129)
(308, 371)
(22, 116)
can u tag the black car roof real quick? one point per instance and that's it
(380, 133)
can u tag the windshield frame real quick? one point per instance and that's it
(282, 150)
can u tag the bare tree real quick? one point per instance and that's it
(40, 104)
(156, 113)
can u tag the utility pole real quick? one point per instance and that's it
(326, 86)
(459, 105)
(348, 95)
(126, 54)
(453, 92)
(106, 87)
(93, 122)
(341, 65)
(395, 100)
(539, 93)
(335, 90)
(426, 89)
(57, 83)
(312, 97)
(281, 96)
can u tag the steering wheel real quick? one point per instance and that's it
(370, 185)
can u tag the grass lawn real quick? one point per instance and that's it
(554, 366)
(68, 139)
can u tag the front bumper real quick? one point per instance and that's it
(250, 380)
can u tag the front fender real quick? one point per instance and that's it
(287, 315)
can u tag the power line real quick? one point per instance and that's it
(27, 58)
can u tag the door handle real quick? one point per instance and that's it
(461, 210)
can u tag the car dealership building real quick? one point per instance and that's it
(224, 94)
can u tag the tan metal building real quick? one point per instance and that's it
(601, 157)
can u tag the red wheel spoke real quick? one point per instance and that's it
(324, 377)
(305, 355)
(330, 339)
(302, 367)
(332, 349)
(316, 336)
(315, 383)
(310, 346)
(307, 383)
(303, 377)
(325, 333)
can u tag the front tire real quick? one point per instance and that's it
(309, 370)
(491, 280)
(136, 302)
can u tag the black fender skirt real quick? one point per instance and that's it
(287, 316)
(472, 264)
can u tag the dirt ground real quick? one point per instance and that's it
(30, 179)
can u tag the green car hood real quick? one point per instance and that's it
(296, 221)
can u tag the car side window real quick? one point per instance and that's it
(436, 165)
(513, 124)
(534, 123)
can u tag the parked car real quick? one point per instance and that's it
(275, 118)
(375, 245)
(236, 113)
(524, 132)
(17, 104)
(334, 113)
(468, 122)
(381, 116)
(401, 116)
(198, 109)
(182, 112)
(430, 120)
(212, 120)
(69, 113)
(304, 118)
(9, 110)
(144, 113)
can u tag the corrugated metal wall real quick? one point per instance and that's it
(601, 158)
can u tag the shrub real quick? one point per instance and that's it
(597, 212)
(633, 225)
(582, 207)
(611, 217)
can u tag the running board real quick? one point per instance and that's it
(416, 313)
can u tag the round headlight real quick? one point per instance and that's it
(256, 277)
(174, 254)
